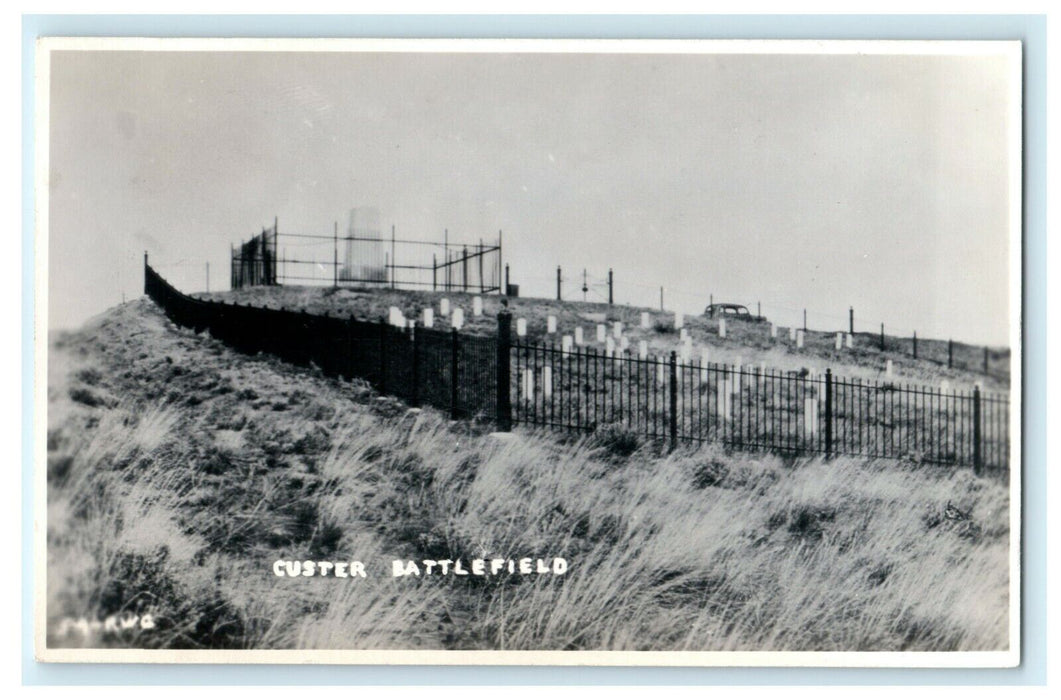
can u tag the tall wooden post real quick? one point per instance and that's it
(915, 345)
(464, 267)
(335, 255)
(851, 320)
(559, 297)
(393, 260)
(950, 354)
(504, 369)
(611, 287)
(506, 279)
(985, 360)
(882, 337)
(804, 320)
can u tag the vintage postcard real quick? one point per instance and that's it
(528, 352)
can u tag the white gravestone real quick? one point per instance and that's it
(547, 382)
(550, 324)
(443, 307)
(602, 331)
(578, 336)
(810, 416)
(839, 341)
(646, 319)
(565, 344)
(723, 399)
(773, 330)
(721, 328)
(429, 318)
(679, 319)
(528, 384)
(850, 341)
(642, 349)
(799, 339)
(521, 327)
(477, 306)
(617, 330)
(457, 320)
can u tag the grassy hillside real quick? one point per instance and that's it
(179, 471)
(745, 342)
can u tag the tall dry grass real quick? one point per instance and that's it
(159, 503)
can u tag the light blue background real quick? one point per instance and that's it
(1031, 29)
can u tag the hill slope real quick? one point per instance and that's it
(180, 471)
(745, 342)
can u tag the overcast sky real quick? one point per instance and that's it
(879, 182)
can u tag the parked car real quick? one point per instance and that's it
(731, 312)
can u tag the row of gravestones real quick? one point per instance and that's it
(615, 343)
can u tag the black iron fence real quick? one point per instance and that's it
(582, 389)
(364, 256)
(254, 262)
(448, 370)
(755, 408)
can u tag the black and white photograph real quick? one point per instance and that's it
(631, 352)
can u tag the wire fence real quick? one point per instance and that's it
(582, 389)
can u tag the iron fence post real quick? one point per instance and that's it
(828, 413)
(382, 356)
(413, 338)
(504, 369)
(454, 350)
(978, 457)
(673, 399)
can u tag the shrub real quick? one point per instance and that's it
(86, 396)
(616, 439)
(663, 327)
(709, 473)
